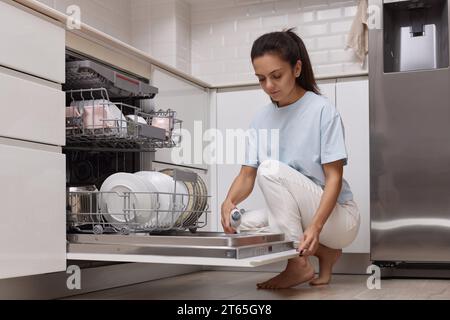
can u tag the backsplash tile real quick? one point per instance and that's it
(328, 14)
(212, 39)
(223, 32)
(309, 30)
(330, 42)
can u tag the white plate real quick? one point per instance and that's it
(164, 183)
(189, 201)
(201, 202)
(113, 203)
(136, 118)
(101, 113)
(154, 201)
(120, 121)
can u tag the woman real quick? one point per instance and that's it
(308, 200)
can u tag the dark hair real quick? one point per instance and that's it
(290, 47)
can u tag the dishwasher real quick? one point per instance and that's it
(113, 129)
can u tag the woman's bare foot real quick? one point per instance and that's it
(327, 259)
(298, 270)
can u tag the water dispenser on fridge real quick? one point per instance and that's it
(415, 35)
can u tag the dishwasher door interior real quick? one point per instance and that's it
(199, 248)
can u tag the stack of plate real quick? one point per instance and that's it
(145, 199)
(168, 205)
(125, 200)
(197, 201)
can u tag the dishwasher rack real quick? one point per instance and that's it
(140, 212)
(93, 122)
(86, 74)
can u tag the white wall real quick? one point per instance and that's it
(191, 105)
(161, 28)
(183, 36)
(212, 39)
(223, 31)
(110, 16)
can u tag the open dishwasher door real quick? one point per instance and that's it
(200, 248)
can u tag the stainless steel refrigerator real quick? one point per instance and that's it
(409, 87)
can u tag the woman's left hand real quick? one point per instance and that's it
(310, 241)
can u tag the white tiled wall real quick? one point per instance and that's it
(161, 28)
(141, 24)
(212, 39)
(183, 35)
(222, 33)
(110, 16)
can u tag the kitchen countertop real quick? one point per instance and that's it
(102, 37)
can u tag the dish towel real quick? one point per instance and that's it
(358, 38)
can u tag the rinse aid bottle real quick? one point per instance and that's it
(235, 217)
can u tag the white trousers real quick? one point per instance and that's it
(292, 201)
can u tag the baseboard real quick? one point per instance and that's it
(94, 277)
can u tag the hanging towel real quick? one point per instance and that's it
(358, 38)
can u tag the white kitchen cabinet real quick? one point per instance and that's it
(31, 44)
(31, 110)
(32, 199)
(32, 131)
(351, 98)
(235, 110)
(352, 102)
(328, 89)
(191, 104)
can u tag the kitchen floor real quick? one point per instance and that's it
(233, 285)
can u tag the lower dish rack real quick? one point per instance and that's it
(164, 238)
(97, 212)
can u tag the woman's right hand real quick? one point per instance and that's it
(226, 208)
(241, 187)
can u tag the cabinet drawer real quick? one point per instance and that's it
(31, 111)
(31, 44)
(32, 200)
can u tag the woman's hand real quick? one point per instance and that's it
(226, 208)
(310, 241)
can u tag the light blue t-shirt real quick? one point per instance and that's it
(311, 133)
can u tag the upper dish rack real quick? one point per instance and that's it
(93, 122)
(88, 74)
